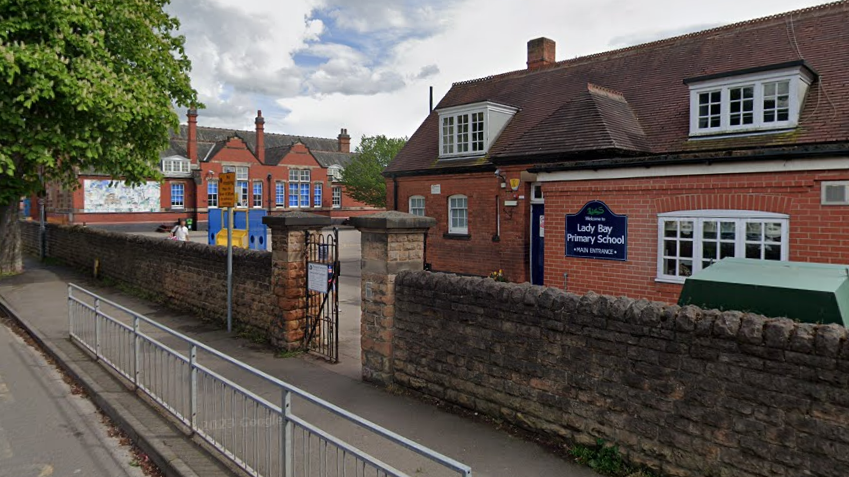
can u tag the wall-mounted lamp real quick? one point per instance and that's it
(501, 176)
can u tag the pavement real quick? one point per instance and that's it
(46, 429)
(38, 298)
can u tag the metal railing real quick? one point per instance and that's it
(262, 437)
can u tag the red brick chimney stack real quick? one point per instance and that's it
(260, 137)
(344, 141)
(192, 139)
(540, 53)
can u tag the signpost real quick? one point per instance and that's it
(596, 232)
(227, 199)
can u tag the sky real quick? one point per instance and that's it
(316, 66)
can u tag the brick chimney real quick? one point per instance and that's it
(192, 139)
(260, 137)
(344, 141)
(540, 53)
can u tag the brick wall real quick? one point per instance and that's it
(186, 276)
(818, 233)
(477, 254)
(690, 392)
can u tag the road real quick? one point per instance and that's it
(45, 430)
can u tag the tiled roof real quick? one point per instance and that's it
(327, 159)
(208, 137)
(650, 77)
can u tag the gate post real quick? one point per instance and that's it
(391, 242)
(288, 274)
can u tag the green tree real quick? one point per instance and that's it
(84, 85)
(362, 177)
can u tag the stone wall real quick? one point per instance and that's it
(685, 391)
(185, 276)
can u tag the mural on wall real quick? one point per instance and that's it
(114, 196)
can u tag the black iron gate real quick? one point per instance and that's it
(322, 264)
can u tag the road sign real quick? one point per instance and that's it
(227, 189)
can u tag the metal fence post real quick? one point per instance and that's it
(193, 396)
(287, 436)
(136, 352)
(70, 311)
(97, 328)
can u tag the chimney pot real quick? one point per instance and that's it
(540, 53)
(260, 137)
(192, 135)
(344, 141)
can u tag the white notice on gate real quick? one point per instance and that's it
(317, 277)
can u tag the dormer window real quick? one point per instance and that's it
(334, 173)
(754, 100)
(468, 130)
(176, 166)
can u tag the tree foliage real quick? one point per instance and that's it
(362, 177)
(86, 85)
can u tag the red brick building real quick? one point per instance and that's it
(728, 142)
(275, 172)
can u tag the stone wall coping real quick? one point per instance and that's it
(296, 218)
(392, 219)
(829, 341)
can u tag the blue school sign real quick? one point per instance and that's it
(596, 232)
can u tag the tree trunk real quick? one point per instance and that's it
(10, 240)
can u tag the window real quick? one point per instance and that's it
(337, 197)
(177, 196)
(691, 241)
(212, 194)
(242, 193)
(334, 173)
(293, 194)
(458, 215)
(768, 98)
(470, 129)
(257, 194)
(417, 205)
(299, 187)
(316, 196)
(176, 166)
(242, 186)
(280, 194)
(776, 101)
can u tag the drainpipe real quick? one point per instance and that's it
(394, 192)
(270, 208)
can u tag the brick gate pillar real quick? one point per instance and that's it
(391, 242)
(288, 274)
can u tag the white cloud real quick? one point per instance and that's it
(314, 66)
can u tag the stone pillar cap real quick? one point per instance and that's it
(296, 218)
(392, 219)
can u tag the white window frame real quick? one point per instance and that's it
(256, 197)
(317, 194)
(462, 228)
(698, 218)
(334, 172)
(416, 209)
(182, 188)
(337, 197)
(212, 197)
(798, 79)
(176, 166)
(280, 191)
(467, 130)
(298, 178)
